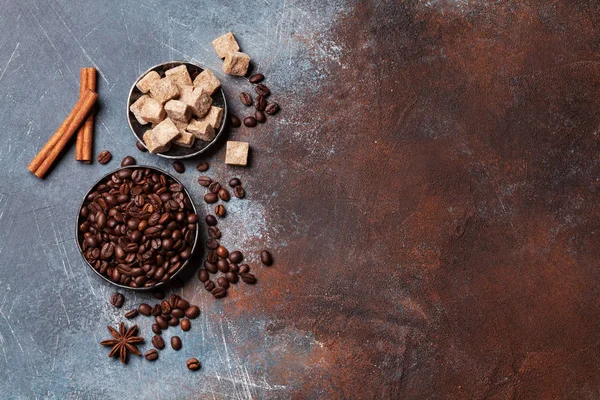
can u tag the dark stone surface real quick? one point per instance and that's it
(429, 192)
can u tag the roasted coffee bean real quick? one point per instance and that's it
(244, 268)
(140, 146)
(158, 342)
(151, 355)
(260, 103)
(156, 329)
(234, 182)
(212, 256)
(209, 285)
(233, 267)
(219, 292)
(224, 194)
(250, 122)
(203, 275)
(266, 258)
(185, 324)
(131, 313)
(222, 252)
(175, 342)
(223, 282)
(211, 267)
(262, 90)
(272, 108)
(193, 364)
(220, 210)
(223, 265)
(211, 198)
(214, 232)
(236, 256)
(235, 121)
(192, 218)
(256, 78)
(179, 167)
(145, 309)
(260, 116)
(248, 278)
(214, 187)
(173, 300)
(192, 311)
(239, 192)
(204, 181)
(104, 157)
(177, 312)
(162, 322)
(202, 166)
(117, 299)
(165, 307)
(127, 161)
(212, 243)
(182, 304)
(173, 321)
(107, 250)
(232, 277)
(246, 99)
(210, 220)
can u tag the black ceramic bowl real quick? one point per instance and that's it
(175, 152)
(80, 220)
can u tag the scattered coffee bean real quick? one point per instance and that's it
(117, 299)
(185, 324)
(211, 198)
(246, 99)
(234, 182)
(204, 181)
(244, 268)
(165, 307)
(182, 304)
(236, 256)
(156, 329)
(192, 312)
(266, 258)
(250, 122)
(156, 311)
(248, 278)
(211, 266)
(232, 277)
(272, 108)
(212, 256)
(145, 309)
(177, 312)
(214, 187)
(235, 121)
(219, 292)
(233, 267)
(158, 342)
(175, 342)
(140, 146)
(261, 90)
(104, 157)
(256, 78)
(260, 116)
(220, 210)
(222, 252)
(158, 294)
(131, 313)
(193, 364)
(161, 321)
(212, 243)
(210, 220)
(209, 285)
(202, 166)
(223, 282)
(151, 355)
(224, 194)
(203, 275)
(239, 192)
(260, 103)
(173, 300)
(223, 265)
(127, 161)
(214, 232)
(173, 321)
(179, 167)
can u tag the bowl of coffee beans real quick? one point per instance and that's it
(137, 227)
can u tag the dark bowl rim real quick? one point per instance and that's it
(208, 146)
(160, 284)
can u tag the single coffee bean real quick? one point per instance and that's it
(140, 146)
(193, 364)
(250, 122)
(117, 299)
(261, 90)
(127, 161)
(214, 232)
(214, 187)
(131, 313)
(260, 103)
(158, 294)
(233, 267)
(219, 292)
(151, 355)
(212, 243)
(203, 275)
(220, 210)
(212, 256)
(232, 277)
(173, 321)
(209, 285)
(156, 310)
(244, 268)
(165, 307)
(104, 157)
(211, 267)
(177, 312)
(161, 321)
(235, 121)
(239, 192)
(256, 78)
(158, 342)
(192, 218)
(248, 278)
(210, 220)
(266, 258)
(175, 342)
(236, 256)
(224, 194)
(185, 324)
(179, 167)
(223, 282)
(202, 166)
(272, 108)
(246, 99)
(260, 116)
(173, 300)
(222, 252)
(182, 304)
(145, 309)
(204, 181)
(223, 265)
(156, 329)
(192, 312)
(234, 182)
(211, 198)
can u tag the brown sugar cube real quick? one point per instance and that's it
(181, 125)
(236, 64)
(147, 80)
(153, 144)
(178, 110)
(179, 75)
(202, 129)
(185, 93)
(136, 109)
(186, 139)
(207, 81)
(213, 117)
(237, 153)
(152, 111)
(225, 44)
(164, 90)
(200, 102)
(166, 131)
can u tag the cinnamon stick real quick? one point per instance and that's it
(83, 151)
(57, 142)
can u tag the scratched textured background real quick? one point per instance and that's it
(430, 192)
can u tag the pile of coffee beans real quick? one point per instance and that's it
(261, 106)
(137, 227)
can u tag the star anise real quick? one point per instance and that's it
(123, 341)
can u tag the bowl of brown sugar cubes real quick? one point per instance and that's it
(177, 109)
